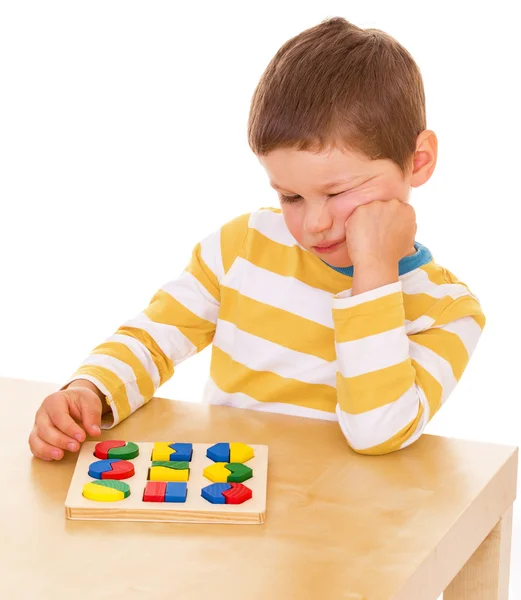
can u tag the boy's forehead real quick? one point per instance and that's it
(330, 169)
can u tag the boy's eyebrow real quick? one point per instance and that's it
(326, 186)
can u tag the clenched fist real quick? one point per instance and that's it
(381, 231)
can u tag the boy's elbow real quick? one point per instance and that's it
(371, 440)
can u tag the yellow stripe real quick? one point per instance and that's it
(113, 383)
(446, 344)
(441, 276)
(264, 386)
(464, 306)
(232, 237)
(369, 318)
(164, 364)
(202, 272)
(292, 261)
(165, 309)
(123, 353)
(396, 442)
(417, 305)
(277, 325)
(431, 387)
(376, 389)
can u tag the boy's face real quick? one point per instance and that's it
(315, 213)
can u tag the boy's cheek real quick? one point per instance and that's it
(348, 205)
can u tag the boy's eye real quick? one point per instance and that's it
(289, 199)
(296, 198)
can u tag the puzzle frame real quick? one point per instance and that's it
(196, 509)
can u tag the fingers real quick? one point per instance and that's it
(57, 410)
(52, 433)
(42, 449)
(90, 410)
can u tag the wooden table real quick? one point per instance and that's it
(338, 524)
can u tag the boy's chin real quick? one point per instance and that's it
(336, 259)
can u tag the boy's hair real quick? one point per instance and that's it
(336, 85)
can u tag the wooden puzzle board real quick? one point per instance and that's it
(196, 509)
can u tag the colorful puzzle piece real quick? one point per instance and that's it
(214, 493)
(176, 491)
(113, 468)
(227, 472)
(172, 451)
(164, 470)
(106, 491)
(235, 452)
(237, 494)
(240, 453)
(154, 491)
(116, 449)
(219, 452)
(226, 493)
(162, 491)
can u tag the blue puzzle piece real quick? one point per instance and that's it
(101, 466)
(214, 493)
(183, 452)
(219, 452)
(176, 491)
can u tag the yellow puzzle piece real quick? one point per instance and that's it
(217, 473)
(162, 451)
(93, 491)
(240, 453)
(166, 474)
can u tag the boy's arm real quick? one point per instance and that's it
(127, 369)
(391, 383)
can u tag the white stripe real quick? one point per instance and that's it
(467, 330)
(211, 253)
(187, 290)
(418, 282)
(372, 353)
(214, 395)
(262, 355)
(105, 424)
(378, 425)
(168, 337)
(141, 352)
(420, 324)
(272, 226)
(124, 372)
(437, 366)
(280, 291)
(342, 300)
(422, 423)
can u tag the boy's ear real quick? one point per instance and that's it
(424, 159)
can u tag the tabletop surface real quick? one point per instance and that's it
(338, 524)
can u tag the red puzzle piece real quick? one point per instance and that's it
(155, 491)
(122, 469)
(101, 450)
(237, 494)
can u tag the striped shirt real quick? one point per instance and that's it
(288, 337)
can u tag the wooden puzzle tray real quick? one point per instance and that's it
(195, 509)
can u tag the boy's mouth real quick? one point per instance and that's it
(329, 248)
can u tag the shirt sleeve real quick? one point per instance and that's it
(180, 321)
(394, 375)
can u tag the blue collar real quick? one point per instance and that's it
(406, 264)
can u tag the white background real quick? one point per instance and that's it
(123, 143)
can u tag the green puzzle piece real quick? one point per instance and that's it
(127, 452)
(115, 484)
(171, 464)
(239, 471)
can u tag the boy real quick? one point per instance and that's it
(325, 308)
